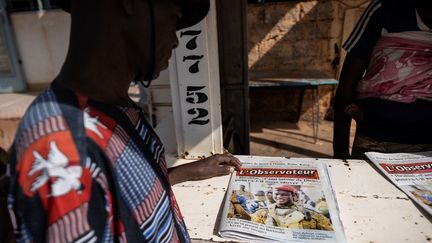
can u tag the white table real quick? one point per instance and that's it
(371, 208)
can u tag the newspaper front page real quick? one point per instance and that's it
(411, 172)
(279, 199)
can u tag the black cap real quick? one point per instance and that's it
(193, 11)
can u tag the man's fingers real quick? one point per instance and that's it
(225, 169)
(229, 160)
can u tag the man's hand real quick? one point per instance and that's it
(216, 165)
(354, 112)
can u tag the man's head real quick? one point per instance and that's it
(138, 34)
(259, 196)
(242, 188)
(193, 11)
(283, 195)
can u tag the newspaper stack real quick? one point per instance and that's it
(411, 172)
(279, 199)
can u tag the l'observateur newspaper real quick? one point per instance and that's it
(283, 200)
(412, 173)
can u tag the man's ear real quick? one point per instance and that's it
(129, 6)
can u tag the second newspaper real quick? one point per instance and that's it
(411, 172)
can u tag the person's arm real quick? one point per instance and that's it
(352, 71)
(216, 165)
(270, 221)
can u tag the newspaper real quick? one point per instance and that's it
(283, 200)
(411, 172)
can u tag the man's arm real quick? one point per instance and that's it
(352, 71)
(216, 165)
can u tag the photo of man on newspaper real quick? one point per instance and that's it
(282, 205)
(422, 193)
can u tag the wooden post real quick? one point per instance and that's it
(233, 57)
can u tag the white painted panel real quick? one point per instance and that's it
(194, 74)
(161, 95)
(162, 112)
(163, 79)
(42, 42)
(11, 74)
(165, 129)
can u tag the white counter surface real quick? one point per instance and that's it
(371, 208)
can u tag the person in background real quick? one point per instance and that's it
(259, 202)
(304, 200)
(386, 81)
(243, 193)
(269, 196)
(85, 164)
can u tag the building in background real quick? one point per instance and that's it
(294, 37)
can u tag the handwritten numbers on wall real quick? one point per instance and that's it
(192, 43)
(195, 95)
(200, 115)
(194, 68)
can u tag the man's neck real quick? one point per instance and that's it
(97, 81)
(285, 206)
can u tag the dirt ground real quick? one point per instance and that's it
(292, 140)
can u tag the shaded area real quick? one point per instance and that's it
(282, 126)
(287, 139)
(274, 105)
(289, 147)
(295, 39)
(292, 134)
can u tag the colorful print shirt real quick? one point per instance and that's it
(98, 187)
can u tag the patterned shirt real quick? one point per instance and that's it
(83, 171)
